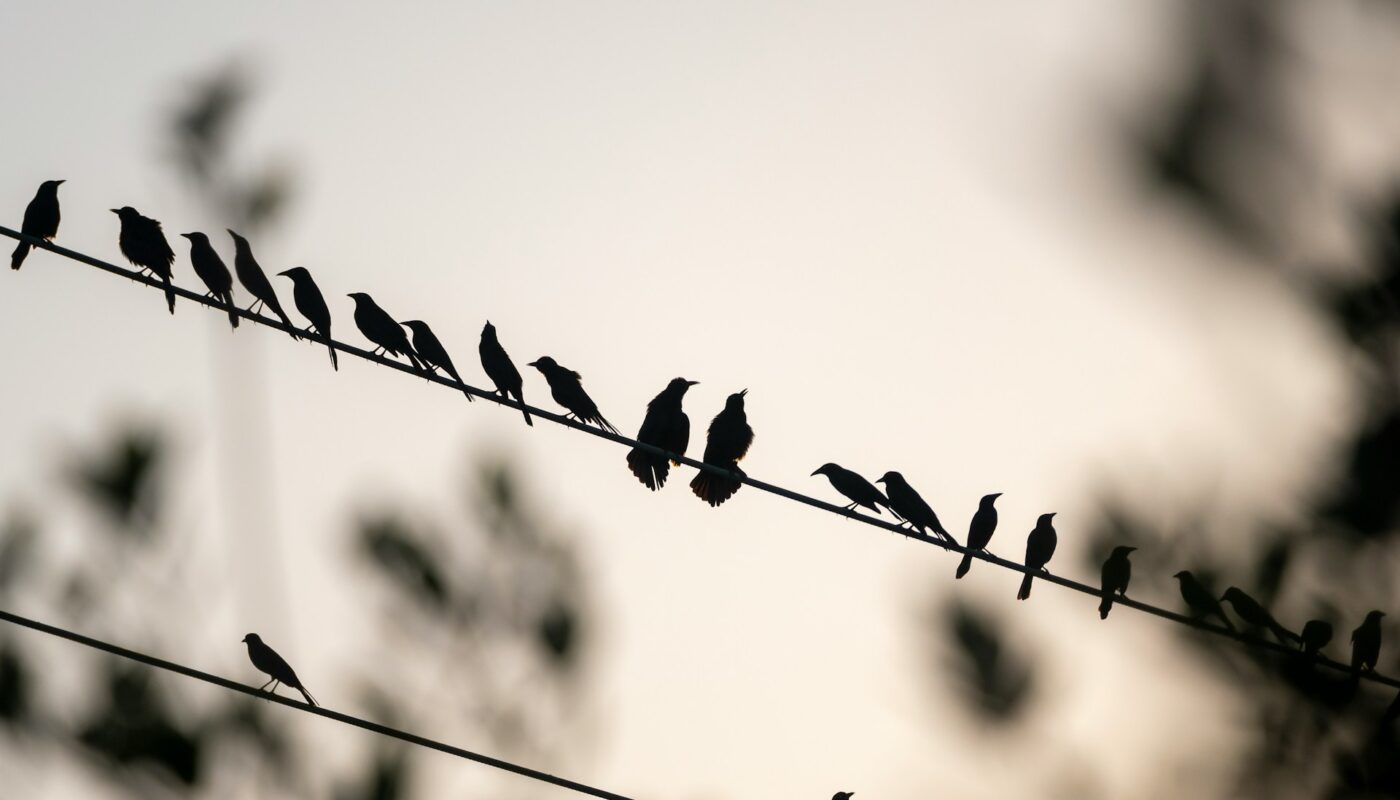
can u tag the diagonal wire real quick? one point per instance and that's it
(373, 727)
(1083, 588)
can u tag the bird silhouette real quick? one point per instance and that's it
(566, 387)
(1316, 634)
(251, 275)
(1040, 546)
(729, 439)
(1366, 644)
(1199, 599)
(843, 796)
(143, 243)
(1253, 614)
(856, 488)
(307, 297)
(381, 329)
(40, 220)
(433, 354)
(210, 269)
(1117, 571)
(906, 503)
(665, 426)
(979, 531)
(267, 660)
(500, 369)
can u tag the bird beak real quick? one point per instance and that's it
(187, 235)
(1053, 513)
(743, 392)
(114, 211)
(535, 364)
(60, 183)
(692, 383)
(1130, 549)
(879, 480)
(818, 472)
(230, 232)
(283, 272)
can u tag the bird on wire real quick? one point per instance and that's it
(267, 660)
(381, 329)
(979, 531)
(1254, 614)
(143, 243)
(500, 369)
(211, 270)
(854, 487)
(1366, 644)
(665, 426)
(433, 354)
(1040, 547)
(1117, 571)
(1315, 635)
(40, 220)
(905, 502)
(566, 387)
(1200, 601)
(310, 303)
(728, 442)
(251, 275)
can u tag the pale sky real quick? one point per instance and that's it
(904, 227)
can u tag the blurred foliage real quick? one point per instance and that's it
(121, 480)
(991, 675)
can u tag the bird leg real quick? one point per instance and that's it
(264, 686)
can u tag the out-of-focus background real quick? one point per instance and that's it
(1133, 262)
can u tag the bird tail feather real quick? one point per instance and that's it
(964, 565)
(169, 293)
(1025, 588)
(715, 489)
(645, 469)
(1106, 605)
(335, 360)
(227, 297)
(21, 250)
(309, 699)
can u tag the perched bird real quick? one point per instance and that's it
(1040, 546)
(566, 387)
(251, 275)
(1201, 602)
(728, 442)
(267, 660)
(40, 219)
(979, 532)
(906, 503)
(1117, 571)
(433, 354)
(143, 243)
(500, 369)
(210, 269)
(856, 488)
(843, 796)
(312, 305)
(665, 426)
(1249, 610)
(381, 329)
(1316, 634)
(1366, 644)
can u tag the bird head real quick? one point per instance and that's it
(50, 186)
(1184, 575)
(826, 469)
(1232, 593)
(1374, 616)
(488, 331)
(1046, 518)
(418, 326)
(890, 476)
(360, 297)
(735, 402)
(252, 638)
(679, 385)
(126, 213)
(843, 796)
(295, 273)
(989, 499)
(544, 364)
(195, 236)
(1122, 551)
(236, 238)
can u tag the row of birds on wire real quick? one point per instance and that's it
(664, 427)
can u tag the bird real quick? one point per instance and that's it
(210, 269)
(906, 503)
(40, 220)
(665, 426)
(1316, 634)
(307, 297)
(979, 531)
(251, 275)
(500, 369)
(856, 488)
(1249, 610)
(267, 660)
(433, 354)
(566, 387)
(1366, 644)
(1117, 571)
(1040, 546)
(729, 439)
(381, 329)
(1199, 600)
(843, 796)
(143, 243)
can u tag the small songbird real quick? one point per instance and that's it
(250, 274)
(979, 531)
(665, 426)
(855, 487)
(433, 354)
(40, 220)
(1366, 644)
(1316, 634)
(1199, 600)
(1117, 571)
(307, 297)
(1249, 610)
(1040, 546)
(210, 269)
(381, 329)
(143, 243)
(907, 503)
(267, 660)
(729, 439)
(566, 387)
(500, 369)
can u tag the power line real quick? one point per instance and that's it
(788, 494)
(374, 727)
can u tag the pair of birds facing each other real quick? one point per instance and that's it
(667, 428)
